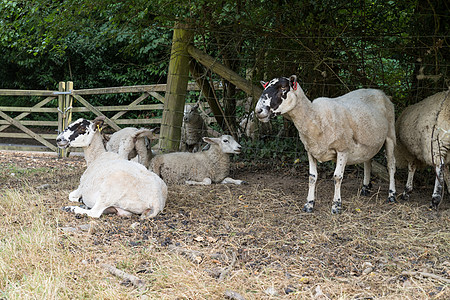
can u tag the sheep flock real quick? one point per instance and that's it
(350, 129)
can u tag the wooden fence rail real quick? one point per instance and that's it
(66, 98)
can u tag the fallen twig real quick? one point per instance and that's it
(136, 281)
(425, 274)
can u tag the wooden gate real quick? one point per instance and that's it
(61, 104)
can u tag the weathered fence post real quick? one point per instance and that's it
(61, 115)
(177, 80)
(68, 104)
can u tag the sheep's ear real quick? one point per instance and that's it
(263, 83)
(210, 140)
(293, 81)
(98, 122)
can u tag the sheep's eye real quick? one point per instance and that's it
(283, 88)
(225, 141)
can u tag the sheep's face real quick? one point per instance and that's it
(191, 114)
(226, 142)
(77, 134)
(276, 98)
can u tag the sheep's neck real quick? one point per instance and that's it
(305, 118)
(96, 148)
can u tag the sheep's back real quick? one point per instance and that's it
(125, 184)
(419, 123)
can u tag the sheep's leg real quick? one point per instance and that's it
(447, 177)
(367, 185)
(309, 206)
(206, 181)
(389, 145)
(409, 182)
(438, 191)
(341, 161)
(233, 181)
(95, 212)
(75, 196)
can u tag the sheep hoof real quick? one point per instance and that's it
(435, 202)
(365, 191)
(309, 206)
(404, 196)
(391, 199)
(67, 208)
(336, 208)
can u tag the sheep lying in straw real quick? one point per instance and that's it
(110, 184)
(205, 167)
(130, 142)
(349, 129)
(423, 139)
(193, 129)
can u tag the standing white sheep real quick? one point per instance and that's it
(349, 129)
(205, 167)
(193, 129)
(130, 142)
(423, 139)
(110, 184)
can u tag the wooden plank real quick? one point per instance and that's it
(157, 96)
(6, 92)
(121, 108)
(33, 123)
(19, 135)
(97, 112)
(26, 130)
(23, 115)
(13, 147)
(220, 69)
(122, 89)
(29, 109)
(139, 121)
(131, 105)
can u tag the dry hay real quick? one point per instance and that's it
(254, 239)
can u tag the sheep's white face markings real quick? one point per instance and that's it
(77, 134)
(271, 100)
(226, 143)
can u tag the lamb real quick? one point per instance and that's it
(205, 167)
(423, 139)
(192, 130)
(130, 142)
(110, 184)
(349, 129)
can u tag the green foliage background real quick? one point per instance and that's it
(333, 46)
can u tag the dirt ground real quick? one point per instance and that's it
(364, 253)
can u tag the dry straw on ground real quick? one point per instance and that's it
(252, 240)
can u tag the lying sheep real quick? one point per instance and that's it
(193, 129)
(205, 167)
(349, 129)
(130, 142)
(110, 184)
(423, 139)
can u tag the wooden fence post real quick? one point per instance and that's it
(61, 115)
(177, 80)
(68, 104)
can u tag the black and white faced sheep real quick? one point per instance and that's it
(349, 129)
(193, 129)
(423, 139)
(110, 184)
(130, 142)
(205, 167)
